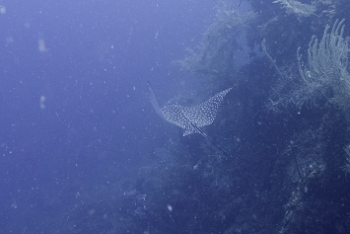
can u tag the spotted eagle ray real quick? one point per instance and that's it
(191, 119)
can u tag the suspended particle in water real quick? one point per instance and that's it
(42, 102)
(2, 10)
(42, 47)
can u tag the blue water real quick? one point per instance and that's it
(83, 151)
(75, 114)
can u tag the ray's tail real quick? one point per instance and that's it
(154, 100)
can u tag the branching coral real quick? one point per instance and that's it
(316, 8)
(295, 7)
(326, 70)
(216, 55)
(346, 167)
(324, 74)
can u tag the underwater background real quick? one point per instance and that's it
(181, 116)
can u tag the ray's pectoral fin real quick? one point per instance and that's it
(191, 119)
(204, 114)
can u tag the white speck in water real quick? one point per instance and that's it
(42, 102)
(2, 10)
(42, 47)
